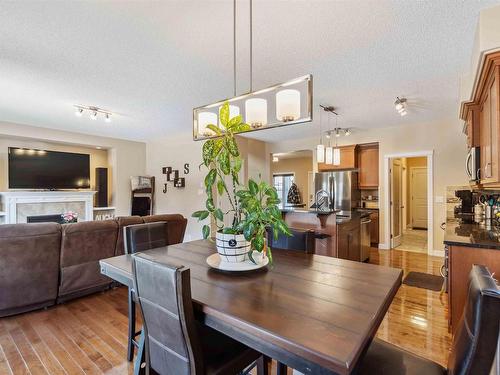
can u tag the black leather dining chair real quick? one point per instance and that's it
(140, 237)
(303, 240)
(474, 344)
(175, 342)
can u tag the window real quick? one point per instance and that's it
(282, 183)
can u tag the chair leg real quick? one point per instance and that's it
(131, 326)
(263, 365)
(281, 369)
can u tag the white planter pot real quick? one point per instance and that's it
(232, 248)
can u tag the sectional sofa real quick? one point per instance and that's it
(47, 263)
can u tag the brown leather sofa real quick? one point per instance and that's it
(46, 263)
(29, 266)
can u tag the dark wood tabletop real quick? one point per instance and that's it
(313, 313)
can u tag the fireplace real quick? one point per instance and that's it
(44, 219)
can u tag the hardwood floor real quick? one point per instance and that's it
(89, 335)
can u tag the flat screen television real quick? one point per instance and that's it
(41, 169)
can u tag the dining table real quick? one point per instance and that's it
(313, 313)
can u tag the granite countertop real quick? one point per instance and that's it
(471, 235)
(342, 216)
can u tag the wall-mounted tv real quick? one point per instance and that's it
(41, 169)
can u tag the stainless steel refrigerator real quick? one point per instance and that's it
(336, 190)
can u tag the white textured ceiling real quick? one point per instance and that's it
(152, 62)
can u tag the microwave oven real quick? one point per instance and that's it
(472, 164)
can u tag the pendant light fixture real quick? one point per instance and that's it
(336, 150)
(292, 100)
(329, 149)
(320, 148)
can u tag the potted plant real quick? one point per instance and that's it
(249, 213)
(259, 204)
(221, 157)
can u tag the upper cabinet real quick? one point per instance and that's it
(347, 159)
(482, 119)
(368, 166)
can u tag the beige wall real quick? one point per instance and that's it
(98, 158)
(300, 167)
(124, 158)
(444, 138)
(175, 152)
(487, 38)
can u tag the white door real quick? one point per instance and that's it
(419, 197)
(396, 203)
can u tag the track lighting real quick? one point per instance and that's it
(347, 132)
(94, 112)
(400, 105)
(275, 159)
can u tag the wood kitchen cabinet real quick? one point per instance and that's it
(374, 228)
(368, 166)
(349, 240)
(348, 159)
(482, 120)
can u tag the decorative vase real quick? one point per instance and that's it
(232, 248)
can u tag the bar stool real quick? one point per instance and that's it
(140, 237)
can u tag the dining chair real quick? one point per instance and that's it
(303, 240)
(140, 237)
(474, 344)
(175, 343)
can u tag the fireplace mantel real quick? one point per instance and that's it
(45, 203)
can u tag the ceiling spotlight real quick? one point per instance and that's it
(275, 159)
(337, 132)
(93, 116)
(328, 135)
(400, 105)
(108, 117)
(347, 132)
(78, 112)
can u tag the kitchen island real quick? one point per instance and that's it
(338, 233)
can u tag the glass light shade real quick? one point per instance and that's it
(295, 106)
(320, 153)
(256, 112)
(336, 156)
(329, 155)
(204, 119)
(288, 105)
(234, 111)
(399, 106)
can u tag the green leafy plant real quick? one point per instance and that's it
(259, 204)
(221, 157)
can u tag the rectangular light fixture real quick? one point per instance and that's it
(284, 104)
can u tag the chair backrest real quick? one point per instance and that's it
(176, 226)
(475, 341)
(301, 240)
(164, 293)
(124, 221)
(141, 237)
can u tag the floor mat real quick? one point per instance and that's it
(424, 280)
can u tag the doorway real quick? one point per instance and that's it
(409, 197)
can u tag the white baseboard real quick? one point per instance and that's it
(383, 246)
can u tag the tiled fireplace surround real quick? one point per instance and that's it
(18, 205)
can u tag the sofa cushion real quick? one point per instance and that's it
(176, 226)
(124, 221)
(29, 266)
(82, 246)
